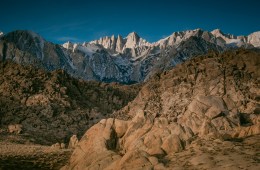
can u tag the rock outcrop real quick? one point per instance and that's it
(254, 39)
(16, 128)
(56, 146)
(73, 142)
(197, 110)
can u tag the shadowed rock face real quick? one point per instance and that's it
(52, 106)
(191, 114)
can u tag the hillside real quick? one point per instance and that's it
(203, 114)
(52, 106)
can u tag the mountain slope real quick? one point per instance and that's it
(116, 59)
(52, 106)
(202, 114)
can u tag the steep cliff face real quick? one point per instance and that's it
(51, 106)
(188, 117)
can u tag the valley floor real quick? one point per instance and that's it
(218, 154)
(201, 154)
(31, 156)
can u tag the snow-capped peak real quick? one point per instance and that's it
(133, 40)
(133, 35)
(177, 37)
(217, 32)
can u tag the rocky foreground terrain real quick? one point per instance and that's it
(203, 114)
(39, 109)
(30, 156)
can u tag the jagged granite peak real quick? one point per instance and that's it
(1, 33)
(119, 43)
(220, 33)
(254, 39)
(178, 37)
(68, 45)
(133, 40)
(107, 42)
(72, 46)
(217, 32)
(229, 39)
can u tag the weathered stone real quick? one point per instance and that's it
(172, 144)
(62, 146)
(73, 142)
(56, 146)
(15, 128)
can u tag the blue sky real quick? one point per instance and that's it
(77, 20)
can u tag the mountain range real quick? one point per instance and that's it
(116, 59)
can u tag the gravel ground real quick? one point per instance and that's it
(31, 156)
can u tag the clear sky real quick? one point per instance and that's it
(77, 20)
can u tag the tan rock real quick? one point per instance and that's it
(15, 128)
(153, 160)
(172, 144)
(248, 131)
(135, 160)
(62, 146)
(56, 146)
(38, 99)
(120, 127)
(73, 142)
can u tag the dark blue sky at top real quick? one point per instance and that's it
(77, 20)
